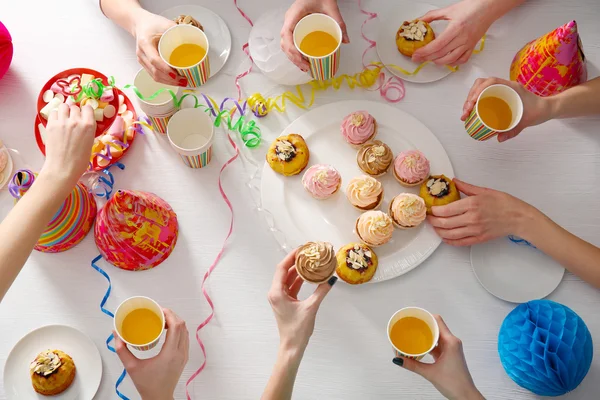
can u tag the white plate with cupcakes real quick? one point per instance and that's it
(359, 175)
(57, 361)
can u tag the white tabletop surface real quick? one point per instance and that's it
(556, 167)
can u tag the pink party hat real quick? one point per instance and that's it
(6, 49)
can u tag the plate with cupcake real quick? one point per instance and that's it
(361, 176)
(54, 360)
(401, 34)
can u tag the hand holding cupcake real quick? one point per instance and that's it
(358, 128)
(316, 262)
(322, 181)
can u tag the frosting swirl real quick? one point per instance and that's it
(46, 363)
(358, 127)
(316, 262)
(411, 166)
(321, 181)
(408, 210)
(375, 158)
(375, 228)
(364, 192)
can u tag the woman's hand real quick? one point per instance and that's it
(295, 318)
(299, 10)
(485, 215)
(449, 373)
(157, 377)
(536, 110)
(147, 31)
(69, 139)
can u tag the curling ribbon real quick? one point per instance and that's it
(214, 264)
(103, 186)
(110, 314)
(245, 50)
(521, 241)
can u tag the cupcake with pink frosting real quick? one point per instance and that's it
(358, 128)
(407, 210)
(374, 228)
(411, 168)
(322, 181)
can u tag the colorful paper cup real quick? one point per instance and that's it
(191, 132)
(135, 303)
(160, 122)
(475, 126)
(160, 104)
(421, 314)
(197, 74)
(325, 67)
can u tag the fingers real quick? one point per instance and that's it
(334, 12)
(128, 359)
(465, 57)
(449, 222)
(450, 210)
(457, 233)
(469, 241)
(292, 274)
(434, 15)
(412, 365)
(149, 58)
(321, 291)
(63, 112)
(295, 287)
(282, 269)
(175, 329)
(504, 136)
(467, 188)
(477, 88)
(439, 47)
(74, 113)
(292, 16)
(452, 57)
(446, 337)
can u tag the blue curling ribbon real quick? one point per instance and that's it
(521, 241)
(110, 314)
(105, 184)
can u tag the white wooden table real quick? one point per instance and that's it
(556, 167)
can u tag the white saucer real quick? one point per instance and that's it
(216, 30)
(515, 272)
(86, 357)
(388, 51)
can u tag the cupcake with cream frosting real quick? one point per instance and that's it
(316, 262)
(322, 181)
(407, 210)
(374, 228)
(365, 193)
(375, 158)
(358, 128)
(411, 168)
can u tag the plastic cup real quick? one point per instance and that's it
(135, 303)
(475, 126)
(197, 74)
(161, 104)
(191, 132)
(325, 67)
(424, 316)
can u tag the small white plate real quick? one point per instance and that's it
(388, 51)
(515, 272)
(82, 350)
(216, 30)
(8, 171)
(302, 218)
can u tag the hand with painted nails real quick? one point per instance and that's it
(449, 372)
(536, 109)
(295, 13)
(468, 22)
(484, 215)
(156, 378)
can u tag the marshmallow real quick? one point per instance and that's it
(98, 115)
(47, 96)
(85, 79)
(108, 95)
(109, 111)
(48, 108)
(117, 129)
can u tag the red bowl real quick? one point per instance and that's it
(95, 166)
(101, 126)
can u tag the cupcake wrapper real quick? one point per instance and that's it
(381, 196)
(408, 185)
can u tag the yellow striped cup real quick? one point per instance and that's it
(197, 74)
(135, 303)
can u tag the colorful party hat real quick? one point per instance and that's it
(136, 230)
(71, 222)
(552, 63)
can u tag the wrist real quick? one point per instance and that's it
(291, 351)
(134, 16)
(528, 221)
(552, 107)
(58, 182)
(474, 394)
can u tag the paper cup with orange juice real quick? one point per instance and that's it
(318, 38)
(498, 109)
(185, 48)
(139, 322)
(413, 332)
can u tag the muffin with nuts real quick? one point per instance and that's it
(288, 155)
(413, 35)
(52, 372)
(438, 190)
(356, 263)
(188, 20)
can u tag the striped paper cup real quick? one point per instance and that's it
(325, 67)
(135, 303)
(424, 316)
(197, 74)
(163, 103)
(478, 129)
(191, 132)
(160, 122)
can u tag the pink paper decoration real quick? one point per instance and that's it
(6, 49)
(552, 63)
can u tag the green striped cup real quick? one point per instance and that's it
(478, 129)
(196, 74)
(191, 132)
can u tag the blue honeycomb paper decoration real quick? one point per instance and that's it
(545, 347)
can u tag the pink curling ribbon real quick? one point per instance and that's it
(384, 86)
(214, 264)
(245, 50)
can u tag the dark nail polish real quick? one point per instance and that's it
(398, 361)
(183, 82)
(332, 280)
(172, 75)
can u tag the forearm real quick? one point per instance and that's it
(497, 8)
(575, 254)
(281, 383)
(24, 225)
(123, 12)
(579, 101)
